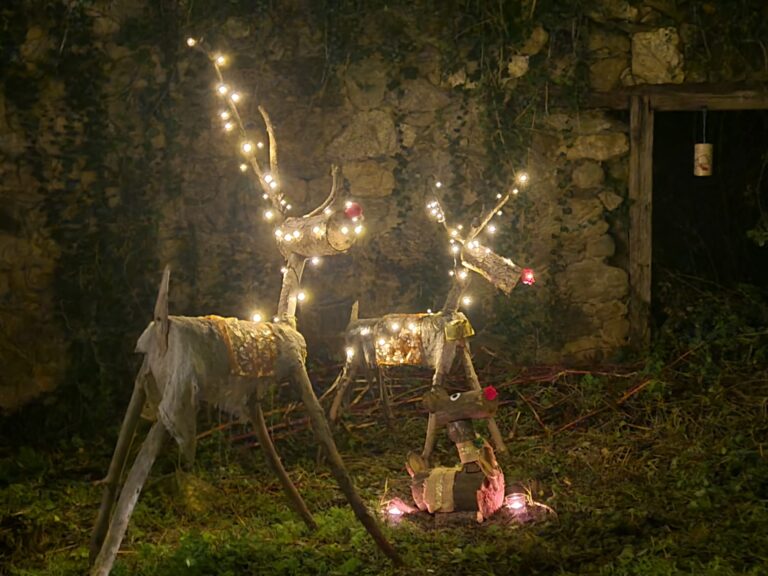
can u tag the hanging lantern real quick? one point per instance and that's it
(702, 152)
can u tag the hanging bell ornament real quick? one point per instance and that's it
(702, 151)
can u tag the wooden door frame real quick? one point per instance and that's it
(642, 102)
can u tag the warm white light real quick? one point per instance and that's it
(463, 274)
(279, 233)
(256, 317)
(429, 310)
(229, 126)
(381, 342)
(267, 178)
(460, 227)
(224, 115)
(412, 327)
(265, 196)
(498, 196)
(515, 191)
(438, 184)
(522, 178)
(365, 331)
(276, 319)
(327, 211)
(283, 201)
(358, 229)
(301, 296)
(466, 300)
(454, 232)
(344, 230)
(268, 214)
(472, 245)
(451, 272)
(191, 42)
(243, 167)
(394, 511)
(455, 249)
(350, 353)
(283, 270)
(273, 184)
(288, 206)
(395, 326)
(235, 97)
(259, 145)
(222, 89)
(315, 260)
(296, 234)
(246, 147)
(491, 229)
(317, 230)
(221, 60)
(499, 213)
(287, 238)
(348, 204)
(515, 501)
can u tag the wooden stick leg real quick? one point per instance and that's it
(323, 434)
(256, 415)
(384, 394)
(469, 371)
(444, 363)
(129, 495)
(130, 420)
(346, 377)
(429, 441)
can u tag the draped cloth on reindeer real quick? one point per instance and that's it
(222, 361)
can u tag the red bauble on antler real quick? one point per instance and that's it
(353, 210)
(490, 393)
(527, 277)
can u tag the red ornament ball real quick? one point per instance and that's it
(490, 393)
(527, 277)
(353, 210)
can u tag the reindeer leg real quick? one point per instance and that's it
(256, 415)
(323, 433)
(469, 370)
(129, 495)
(384, 394)
(119, 457)
(444, 363)
(343, 381)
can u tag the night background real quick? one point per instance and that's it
(632, 375)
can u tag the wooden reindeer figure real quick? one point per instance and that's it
(229, 363)
(429, 340)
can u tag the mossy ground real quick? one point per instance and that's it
(674, 480)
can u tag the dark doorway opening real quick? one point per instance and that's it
(701, 224)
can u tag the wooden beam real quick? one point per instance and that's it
(640, 198)
(672, 97)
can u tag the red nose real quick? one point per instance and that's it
(490, 393)
(353, 210)
(527, 276)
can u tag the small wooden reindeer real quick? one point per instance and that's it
(229, 363)
(429, 340)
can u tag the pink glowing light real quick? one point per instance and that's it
(527, 277)
(394, 511)
(515, 501)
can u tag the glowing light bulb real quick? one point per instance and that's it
(515, 501)
(315, 260)
(472, 245)
(455, 249)
(268, 214)
(259, 145)
(467, 300)
(454, 232)
(268, 178)
(279, 233)
(350, 352)
(265, 196)
(287, 238)
(327, 211)
(222, 89)
(221, 60)
(256, 317)
(317, 231)
(345, 230)
(358, 229)
(429, 310)
(235, 97)
(451, 272)
(246, 147)
(394, 511)
(283, 201)
(438, 184)
(460, 227)
(499, 213)
(412, 327)
(288, 206)
(301, 296)
(395, 326)
(498, 196)
(191, 42)
(229, 126)
(224, 115)
(463, 275)
(381, 342)
(348, 204)
(283, 270)
(365, 331)
(492, 229)
(515, 191)
(522, 178)
(296, 234)
(243, 167)
(273, 184)
(276, 319)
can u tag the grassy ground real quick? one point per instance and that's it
(650, 473)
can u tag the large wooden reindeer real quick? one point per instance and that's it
(429, 340)
(230, 363)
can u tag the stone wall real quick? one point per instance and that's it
(112, 164)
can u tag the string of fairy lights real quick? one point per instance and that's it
(269, 180)
(458, 238)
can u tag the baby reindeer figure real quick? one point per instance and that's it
(230, 363)
(429, 340)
